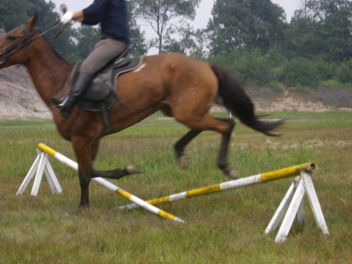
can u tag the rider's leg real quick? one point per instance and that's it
(79, 88)
(103, 52)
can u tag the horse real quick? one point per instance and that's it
(181, 87)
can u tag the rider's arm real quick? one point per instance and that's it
(78, 16)
(95, 9)
(92, 14)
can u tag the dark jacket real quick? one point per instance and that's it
(112, 16)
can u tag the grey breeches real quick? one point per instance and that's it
(104, 51)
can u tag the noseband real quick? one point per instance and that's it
(24, 42)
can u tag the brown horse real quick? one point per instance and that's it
(179, 86)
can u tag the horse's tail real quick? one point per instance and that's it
(238, 102)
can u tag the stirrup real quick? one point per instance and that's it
(59, 103)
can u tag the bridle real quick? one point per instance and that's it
(24, 42)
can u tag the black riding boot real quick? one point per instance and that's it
(82, 83)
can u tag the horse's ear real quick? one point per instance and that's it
(32, 22)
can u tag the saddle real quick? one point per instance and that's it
(102, 93)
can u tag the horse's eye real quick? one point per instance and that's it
(11, 38)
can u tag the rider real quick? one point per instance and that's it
(112, 16)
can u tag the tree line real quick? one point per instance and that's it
(250, 38)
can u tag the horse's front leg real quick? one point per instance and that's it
(116, 174)
(82, 149)
(111, 174)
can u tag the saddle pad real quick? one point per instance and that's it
(133, 65)
(112, 96)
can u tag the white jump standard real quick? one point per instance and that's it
(243, 182)
(40, 165)
(42, 161)
(292, 202)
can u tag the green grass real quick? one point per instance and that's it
(226, 227)
(335, 83)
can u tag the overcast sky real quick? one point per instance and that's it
(202, 17)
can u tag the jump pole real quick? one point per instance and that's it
(309, 167)
(70, 163)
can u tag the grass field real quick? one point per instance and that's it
(226, 227)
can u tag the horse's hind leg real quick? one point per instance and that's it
(222, 161)
(111, 174)
(224, 126)
(181, 144)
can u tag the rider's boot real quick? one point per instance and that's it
(66, 104)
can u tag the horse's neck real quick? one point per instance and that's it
(49, 73)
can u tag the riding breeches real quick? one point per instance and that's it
(104, 51)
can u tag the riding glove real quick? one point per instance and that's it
(67, 17)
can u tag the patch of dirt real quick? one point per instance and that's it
(344, 109)
(266, 100)
(18, 97)
(288, 103)
(336, 96)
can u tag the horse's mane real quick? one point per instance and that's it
(54, 51)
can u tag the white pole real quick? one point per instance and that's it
(109, 185)
(247, 181)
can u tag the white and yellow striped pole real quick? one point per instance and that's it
(251, 180)
(70, 163)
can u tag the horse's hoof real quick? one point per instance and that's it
(132, 169)
(231, 172)
(184, 161)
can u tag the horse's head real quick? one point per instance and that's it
(13, 45)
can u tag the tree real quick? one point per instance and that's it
(159, 13)
(138, 45)
(86, 37)
(322, 28)
(302, 37)
(64, 45)
(249, 24)
(190, 42)
(186, 42)
(13, 13)
(336, 28)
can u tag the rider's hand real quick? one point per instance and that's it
(67, 17)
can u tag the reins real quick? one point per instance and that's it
(8, 52)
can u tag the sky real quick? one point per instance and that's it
(200, 21)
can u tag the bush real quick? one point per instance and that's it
(257, 68)
(344, 73)
(326, 71)
(275, 57)
(246, 66)
(299, 72)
